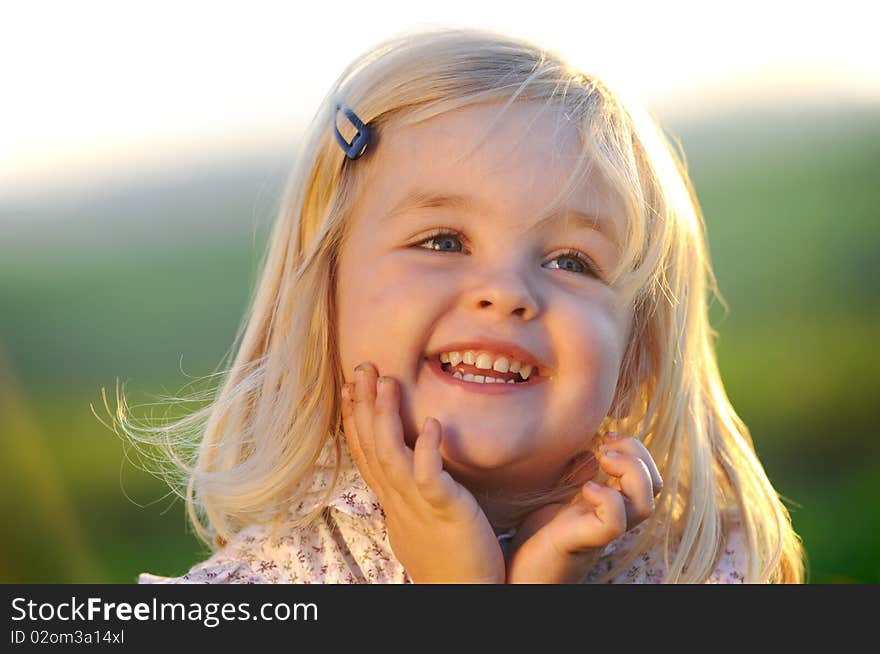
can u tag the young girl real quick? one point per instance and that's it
(479, 350)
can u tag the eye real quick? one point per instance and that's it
(581, 263)
(441, 238)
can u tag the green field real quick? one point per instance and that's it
(139, 281)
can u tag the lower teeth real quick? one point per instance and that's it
(480, 379)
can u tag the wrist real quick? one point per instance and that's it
(459, 579)
(537, 562)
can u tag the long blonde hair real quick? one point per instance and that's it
(248, 455)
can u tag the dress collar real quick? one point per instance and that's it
(350, 495)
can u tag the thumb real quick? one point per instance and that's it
(607, 519)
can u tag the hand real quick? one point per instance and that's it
(436, 529)
(560, 543)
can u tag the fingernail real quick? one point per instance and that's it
(611, 454)
(593, 485)
(614, 436)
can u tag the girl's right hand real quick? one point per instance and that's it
(436, 528)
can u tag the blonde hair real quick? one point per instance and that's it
(255, 444)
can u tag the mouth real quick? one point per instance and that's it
(479, 380)
(471, 373)
(492, 356)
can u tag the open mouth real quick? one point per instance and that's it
(487, 365)
(470, 373)
(483, 368)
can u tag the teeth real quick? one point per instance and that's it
(481, 379)
(483, 362)
(501, 364)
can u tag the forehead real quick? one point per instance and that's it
(514, 167)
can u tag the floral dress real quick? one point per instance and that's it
(349, 545)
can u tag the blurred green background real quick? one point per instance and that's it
(146, 282)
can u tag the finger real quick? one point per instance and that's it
(364, 401)
(634, 447)
(431, 480)
(634, 480)
(594, 523)
(351, 436)
(392, 454)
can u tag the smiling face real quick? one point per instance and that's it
(405, 293)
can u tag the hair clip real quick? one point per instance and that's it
(361, 140)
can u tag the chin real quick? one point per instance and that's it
(483, 447)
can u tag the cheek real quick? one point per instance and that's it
(590, 354)
(385, 309)
(392, 291)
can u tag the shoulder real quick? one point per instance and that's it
(733, 565)
(345, 545)
(209, 572)
(247, 559)
(649, 566)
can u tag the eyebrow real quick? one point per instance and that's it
(422, 199)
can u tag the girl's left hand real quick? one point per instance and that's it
(560, 543)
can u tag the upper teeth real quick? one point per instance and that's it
(485, 361)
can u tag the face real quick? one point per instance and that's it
(496, 284)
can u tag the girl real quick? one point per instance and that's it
(479, 350)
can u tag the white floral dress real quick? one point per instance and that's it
(350, 545)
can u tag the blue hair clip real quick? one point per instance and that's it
(361, 140)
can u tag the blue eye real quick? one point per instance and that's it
(581, 263)
(440, 239)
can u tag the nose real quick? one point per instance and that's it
(505, 292)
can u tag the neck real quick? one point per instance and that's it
(503, 497)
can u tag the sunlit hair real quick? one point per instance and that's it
(248, 455)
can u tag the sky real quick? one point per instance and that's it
(92, 88)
